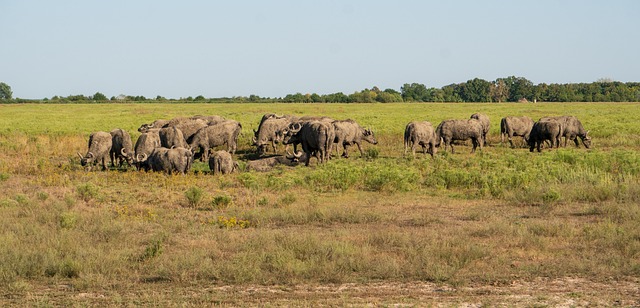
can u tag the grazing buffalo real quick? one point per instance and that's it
(145, 144)
(515, 126)
(121, 148)
(545, 131)
(571, 130)
(266, 133)
(450, 130)
(486, 125)
(420, 133)
(98, 150)
(167, 160)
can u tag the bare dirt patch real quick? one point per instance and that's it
(563, 292)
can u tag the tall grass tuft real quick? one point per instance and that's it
(194, 196)
(87, 191)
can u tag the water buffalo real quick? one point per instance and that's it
(157, 124)
(211, 136)
(450, 130)
(221, 162)
(515, 126)
(545, 131)
(210, 119)
(188, 126)
(145, 145)
(98, 150)
(268, 163)
(486, 125)
(348, 132)
(314, 136)
(571, 129)
(420, 133)
(267, 133)
(168, 160)
(121, 148)
(171, 136)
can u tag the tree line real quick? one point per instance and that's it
(509, 89)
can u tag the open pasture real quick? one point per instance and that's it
(381, 229)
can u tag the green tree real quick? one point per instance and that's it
(415, 92)
(99, 97)
(519, 88)
(475, 90)
(5, 91)
(499, 91)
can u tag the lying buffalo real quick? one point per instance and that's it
(268, 163)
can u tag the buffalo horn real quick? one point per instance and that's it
(142, 157)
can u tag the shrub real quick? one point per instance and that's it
(153, 249)
(194, 196)
(68, 220)
(221, 201)
(87, 191)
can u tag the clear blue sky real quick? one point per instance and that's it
(273, 48)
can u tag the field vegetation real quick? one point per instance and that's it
(459, 222)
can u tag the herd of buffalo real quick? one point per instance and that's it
(172, 145)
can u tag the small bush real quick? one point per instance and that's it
(87, 191)
(67, 268)
(232, 223)
(371, 153)
(287, 199)
(249, 180)
(194, 196)
(8, 203)
(550, 196)
(22, 199)
(4, 176)
(221, 201)
(153, 249)
(263, 201)
(68, 220)
(42, 196)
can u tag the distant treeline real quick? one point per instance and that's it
(510, 89)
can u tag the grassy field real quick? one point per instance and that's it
(499, 226)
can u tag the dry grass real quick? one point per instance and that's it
(380, 230)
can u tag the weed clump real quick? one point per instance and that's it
(220, 202)
(194, 196)
(87, 191)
